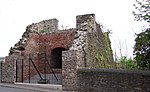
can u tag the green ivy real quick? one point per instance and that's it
(44, 31)
(105, 56)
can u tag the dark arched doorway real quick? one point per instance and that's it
(56, 57)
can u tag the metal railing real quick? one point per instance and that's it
(50, 75)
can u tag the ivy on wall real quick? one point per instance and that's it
(44, 30)
(105, 56)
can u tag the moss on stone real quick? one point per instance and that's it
(44, 31)
(105, 56)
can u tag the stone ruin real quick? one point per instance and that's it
(66, 50)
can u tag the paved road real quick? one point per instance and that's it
(6, 89)
(27, 88)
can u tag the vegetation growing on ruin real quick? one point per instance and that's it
(104, 57)
(44, 30)
(142, 43)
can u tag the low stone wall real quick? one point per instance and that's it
(110, 80)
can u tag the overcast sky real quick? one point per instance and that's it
(115, 15)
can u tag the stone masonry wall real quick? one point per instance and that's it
(89, 40)
(56, 40)
(45, 26)
(8, 69)
(35, 43)
(110, 80)
(82, 44)
(69, 70)
(87, 24)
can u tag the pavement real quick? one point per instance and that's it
(35, 87)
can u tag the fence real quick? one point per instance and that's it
(33, 70)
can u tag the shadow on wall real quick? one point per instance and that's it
(56, 57)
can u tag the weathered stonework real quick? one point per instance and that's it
(74, 48)
(46, 26)
(69, 70)
(43, 27)
(8, 70)
(112, 80)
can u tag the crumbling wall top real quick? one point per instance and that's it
(45, 26)
(86, 22)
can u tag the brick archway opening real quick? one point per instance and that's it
(56, 57)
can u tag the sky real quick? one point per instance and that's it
(115, 15)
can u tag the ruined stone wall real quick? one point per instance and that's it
(90, 41)
(104, 55)
(69, 70)
(56, 40)
(20, 53)
(35, 48)
(82, 44)
(107, 51)
(45, 26)
(35, 42)
(8, 69)
(40, 44)
(85, 25)
(31, 50)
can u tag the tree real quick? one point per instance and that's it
(127, 63)
(142, 10)
(142, 45)
(142, 49)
